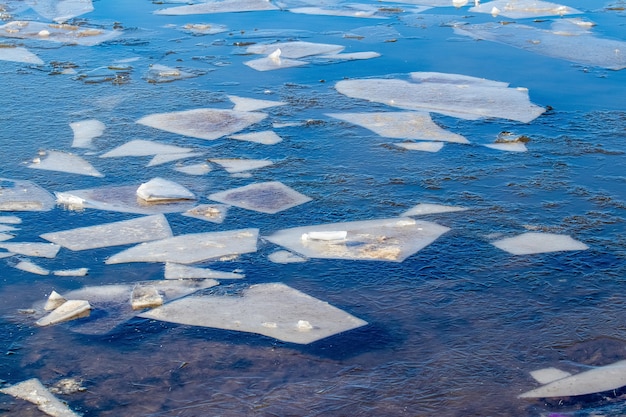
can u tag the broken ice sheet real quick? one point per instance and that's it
(60, 10)
(65, 162)
(191, 248)
(63, 33)
(33, 391)
(427, 208)
(532, 242)
(449, 94)
(210, 212)
(223, 6)
(18, 54)
(125, 232)
(273, 310)
(296, 49)
(508, 147)
(253, 104)
(267, 137)
(178, 271)
(194, 169)
(401, 125)
(207, 124)
(85, 131)
(29, 266)
(421, 146)
(571, 45)
(352, 56)
(520, 9)
(145, 296)
(241, 165)
(163, 74)
(392, 239)
(10, 220)
(41, 250)
(162, 190)
(22, 195)
(266, 197)
(347, 10)
(141, 147)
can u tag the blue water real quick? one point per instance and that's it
(454, 330)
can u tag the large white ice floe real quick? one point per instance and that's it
(65, 162)
(401, 125)
(428, 208)
(191, 248)
(162, 190)
(532, 242)
(253, 104)
(165, 158)
(223, 6)
(18, 54)
(22, 195)
(125, 232)
(273, 310)
(62, 33)
(68, 310)
(295, 49)
(85, 131)
(210, 212)
(60, 10)
(568, 39)
(392, 239)
(41, 250)
(140, 147)
(207, 124)
(449, 94)
(519, 9)
(178, 271)
(33, 391)
(265, 197)
(563, 384)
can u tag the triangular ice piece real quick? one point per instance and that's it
(178, 271)
(61, 10)
(163, 159)
(210, 212)
(266, 197)
(33, 391)
(427, 208)
(141, 147)
(224, 6)
(267, 137)
(85, 131)
(273, 310)
(547, 375)
(19, 54)
(532, 242)
(124, 232)
(69, 310)
(375, 240)
(21, 195)
(253, 104)
(273, 63)
(65, 162)
(241, 165)
(160, 189)
(352, 10)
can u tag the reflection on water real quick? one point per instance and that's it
(453, 330)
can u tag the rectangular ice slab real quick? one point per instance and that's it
(124, 232)
(531, 243)
(376, 240)
(273, 310)
(191, 248)
(265, 197)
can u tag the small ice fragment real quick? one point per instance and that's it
(78, 272)
(241, 165)
(29, 266)
(532, 243)
(210, 212)
(269, 324)
(159, 189)
(33, 391)
(19, 54)
(178, 271)
(43, 33)
(163, 159)
(275, 56)
(194, 169)
(427, 208)
(54, 300)
(269, 64)
(267, 197)
(20, 195)
(509, 147)
(304, 326)
(295, 50)
(267, 137)
(69, 310)
(140, 147)
(325, 235)
(71, 202)
(495, 11)
(252, 104)
(42, 250)
(459, 3)
(223, 6)
(85, 131)
(66, 162)
(547, 375)
(285, 257)
(10, 219)
(421, 146)
(145, 296)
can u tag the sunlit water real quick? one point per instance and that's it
(454, 330)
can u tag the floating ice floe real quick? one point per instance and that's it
(562, 384)
(253, 104)
(273, 310)
(532, 242)
(145, 296)
(21, 195)
(380, 240)
(178, 271)
(191, 248)
(520, 9)
(10, 220)
(401, 125)
(377, 34)
(33, 391)
(141, 147)
(162, 190)
(18, 54)
(69, 310)
(427, 208)
(421, 146)
(285, 257)
(124, 232)
(296, 49)
(266, 137)
(85, 131)
(54, 300)
(41, 250)
(63, 33)
(29, 266)
(348, 10)
(163, 74)
(224, 6)
(573, 44)
(449, 94)
(65, 162)
(274, 61)
(508, 147)
(7, 228)
(165, 158)
(194, 169)
(77, 272)
(204, 28)
(352, 56)
(207, 124)
(210, 212)
(266, 197)
(233, 166)
(61, 10)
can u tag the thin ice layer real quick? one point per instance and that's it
(266, 197)
(125, 232)
(162, 190)
(392, 239)
(241, 165)
(532, 242)
(224, 6)
(191, 248)
(141, 147)
(85, 131)
(266, 137)
(296, 49)
(22, 195)
(19, 54)
(428, 208)
(65, 162)
(207, 124)
(62, 33)
(273, 63)
(421, 146)
(450, 94)
(162, 159)
(273, 310)
(401, 125)
(215, 213)
(194, 169)
(520, 9)
(60, 10)
(253, 104)
(33, 391)
(178, 271)
(353, 10)
(41, 250)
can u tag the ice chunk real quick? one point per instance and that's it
(61, 10)
(20, 195)
(163, 74)
(85, 132)
(532, 242)
(10, 220)
(351, 10)
(253, 104)
(191, 248)
(207, 124)
(69, 310)
(124, 232)
(33, 391)
(7, 228)
(140, 147)
(63, 33)
(296, 49)
(427, 208)
(65, 162)
(18, 54)
(380, 240)
(267, 137)
(54, 300)
(285, 308)
(273, 63)
(78, 272)
(29, 266)
(210, 212)
(603, 378)
(329, 235)
(194, 169)
(178, 271)
(145, 296)
(352, 56)
(162, 159)
(266, 197)
(401, 125)
(285, 257)
(223, 6)
(520, 9)
(547, 375)
(241, 165)
(421, 146)
(204, 28)
(42, 250)
(159, 189)
(508, 147)
(450, 94)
